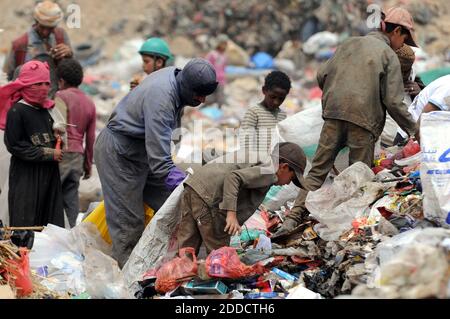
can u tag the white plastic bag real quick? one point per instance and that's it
(76, 260)
(103, 276)
(279, 195)
(349, 197)
(320, 40)
(435, 166)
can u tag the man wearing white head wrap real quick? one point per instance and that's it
(44, 41)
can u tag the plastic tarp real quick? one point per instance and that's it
(156, 241)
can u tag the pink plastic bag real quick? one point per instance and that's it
(225, 263)
(175, 272)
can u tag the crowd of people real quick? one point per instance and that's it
(49, 130)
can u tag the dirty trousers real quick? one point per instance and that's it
(199, 223)
(335, 135)
(123, 170)
(71, 170)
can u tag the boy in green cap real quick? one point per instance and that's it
(155, 53)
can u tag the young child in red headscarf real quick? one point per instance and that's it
(35, 195)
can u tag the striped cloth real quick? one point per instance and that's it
(258, 128)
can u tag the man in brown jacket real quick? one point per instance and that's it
(221, 196)
(360, 83)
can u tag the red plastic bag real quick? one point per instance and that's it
(19, 272)
(410, 149)
(175, 272)
(225, 263)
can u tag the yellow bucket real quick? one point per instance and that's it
(98, 218)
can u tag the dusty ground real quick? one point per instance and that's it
(100, 20)
(97, 19)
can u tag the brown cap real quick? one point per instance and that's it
(294, 156)
(48, 14)
(406, 57)
(402, 17)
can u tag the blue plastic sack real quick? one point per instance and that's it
(262, 60)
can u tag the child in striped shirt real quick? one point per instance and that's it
(258, 125)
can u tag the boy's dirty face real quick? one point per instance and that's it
(397, 38)
(285, 174)
(151, 64)
(274, 97)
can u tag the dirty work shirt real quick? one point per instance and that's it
(150, 113)
(215, 189)
(133, 149)
(35, 195)
(240, 187)
(361, 82)
(258, 127)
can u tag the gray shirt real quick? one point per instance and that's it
(150, 113)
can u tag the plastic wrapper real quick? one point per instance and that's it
(64, 274)
(256, 221)
(279, 195)
(176, 271)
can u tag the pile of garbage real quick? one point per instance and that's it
(370, 233)
(381, 232)
(56, 263)
(16, 279)
(373, 236)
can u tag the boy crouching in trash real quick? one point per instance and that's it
(220, 196)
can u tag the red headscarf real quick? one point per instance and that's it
(32, 72)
